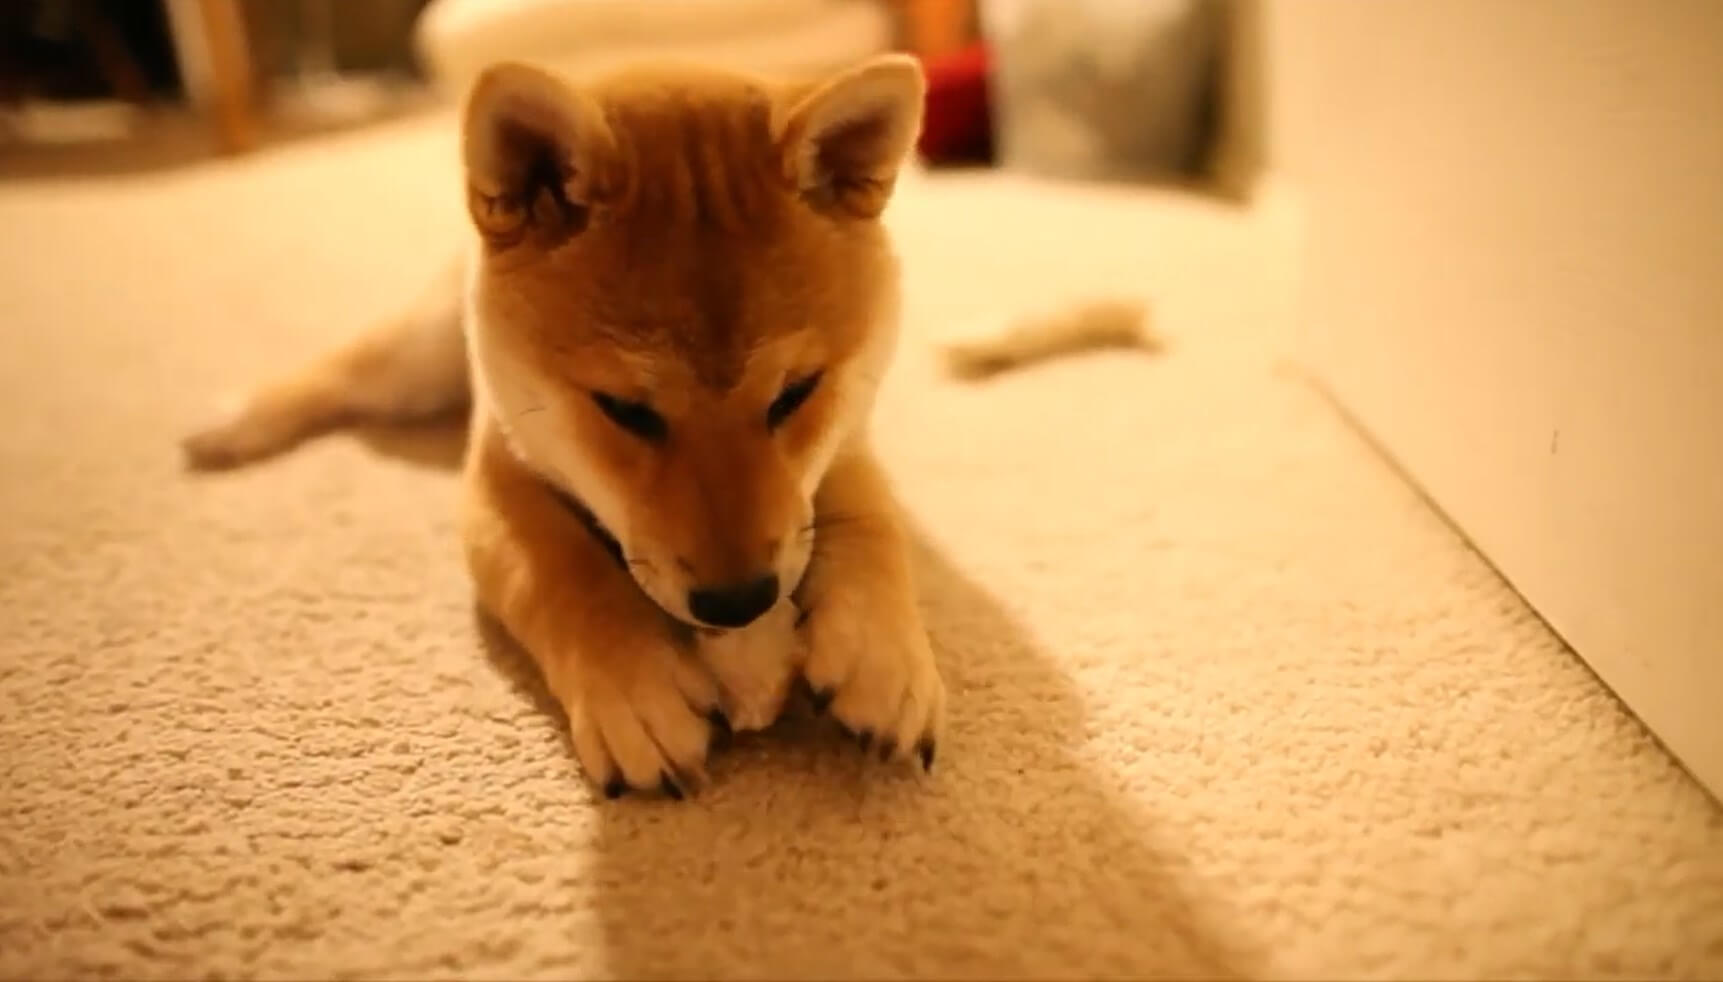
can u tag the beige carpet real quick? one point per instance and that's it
(1228, 699)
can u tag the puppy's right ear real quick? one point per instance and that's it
(846, 141)
(538, 155)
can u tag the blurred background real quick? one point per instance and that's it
(1223, 652)
(1105, 89)
(1477, 198)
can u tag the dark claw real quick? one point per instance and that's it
(887, 749)
(721, 729)
(668, 785)
(865, 738)
(821, 699)
(925, 749)
(616, 787)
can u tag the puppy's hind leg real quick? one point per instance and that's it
(409, 367)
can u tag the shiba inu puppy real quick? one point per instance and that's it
(678, 307)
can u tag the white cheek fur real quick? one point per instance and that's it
(519, 401)
(855, 401)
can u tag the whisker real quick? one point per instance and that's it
(833, 520)
(530, 410)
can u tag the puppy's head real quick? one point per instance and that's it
(685, 301)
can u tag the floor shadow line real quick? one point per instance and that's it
(1017, 858)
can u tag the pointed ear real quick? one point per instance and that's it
(538, 154)
(845, 141)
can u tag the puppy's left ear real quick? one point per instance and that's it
(846, 140)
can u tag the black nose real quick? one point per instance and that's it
(734, 604)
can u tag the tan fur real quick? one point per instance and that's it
(1090, 326)
(409, 367)
(693, 242)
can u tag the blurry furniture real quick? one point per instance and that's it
(324, 64)
(1104, 89)
(457, 38)
(81, 71)
(121, 71)
(216, 68)
(294, 65)
(936, 29)
(958, 125)
(60, 48)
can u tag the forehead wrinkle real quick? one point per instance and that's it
(698, 163)
(654, 365)
(788, 350)
(685, 271)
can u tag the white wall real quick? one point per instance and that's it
(1515, 283)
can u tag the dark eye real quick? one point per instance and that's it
(791, 399)
(636, 417)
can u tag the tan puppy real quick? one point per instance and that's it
(678, 310)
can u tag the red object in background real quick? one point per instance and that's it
(958, 125)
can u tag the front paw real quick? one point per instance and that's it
(642, 718)
(872, 666)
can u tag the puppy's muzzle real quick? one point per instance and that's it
(733, 605)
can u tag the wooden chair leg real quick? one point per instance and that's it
(215, 61)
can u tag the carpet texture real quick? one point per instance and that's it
(1228, 699)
